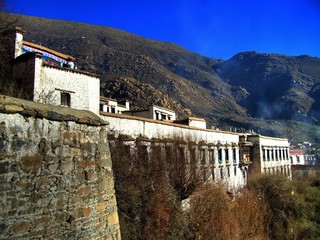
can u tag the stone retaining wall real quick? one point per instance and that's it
(56, 178)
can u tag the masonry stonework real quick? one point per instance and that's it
(56, 179)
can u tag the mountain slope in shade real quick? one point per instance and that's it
(278, 86)
(271, 93)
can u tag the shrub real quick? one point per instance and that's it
(293, 207)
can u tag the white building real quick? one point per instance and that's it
(297, 157)
(110, 105)
(193, 122)
(154, 112)
(49, 77)
(268, 155)
(215, 153)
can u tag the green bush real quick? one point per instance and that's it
(293, 207)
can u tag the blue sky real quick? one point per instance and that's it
(217, 28)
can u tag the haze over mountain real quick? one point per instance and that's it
(270, 93)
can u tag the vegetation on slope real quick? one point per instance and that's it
(247, 91)
(150, 190)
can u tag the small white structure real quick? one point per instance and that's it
(154, 112)
(110, 105)
(193, 122)
(297, 157)
(268, 155)
(49, 77)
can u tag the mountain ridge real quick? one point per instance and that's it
(273, 94)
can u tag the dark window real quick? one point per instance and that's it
(203, 156)
(65, 99)
(101, 107)
(113, 110)
(220, 155)
(211, 156)
(235, 170)
(264, 155)
(227, 155)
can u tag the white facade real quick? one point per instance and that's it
(297, 157)
(197, 122)
(154, 112)
(217, 150)
(52, 84)
(110, 105)
(269, 155)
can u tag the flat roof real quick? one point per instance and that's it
(45, 49)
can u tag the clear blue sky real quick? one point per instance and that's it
(217, 28)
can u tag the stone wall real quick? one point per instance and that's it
(56, 179)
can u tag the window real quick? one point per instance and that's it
(101, 107)
(227, 155)
(220, 155)
(203, 156)
(264, 155)
(211, 156)
(234, 155)
(65, 99)
(113, 110)
(235, 170)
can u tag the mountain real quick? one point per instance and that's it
(278, 86)
(270, 93)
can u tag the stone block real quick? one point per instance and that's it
(31, 164)
(113, 218)
(43, 182)
(66, 166)
(106, 184)
(22, 226)
(13, 108)
(104, 160)
(4, 167)
(89, 147)
(84, 191)
(103, 147)
(86, 211)
(3, 227)
(90, 175)
(100, 207)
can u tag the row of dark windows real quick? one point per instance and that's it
(268, 154)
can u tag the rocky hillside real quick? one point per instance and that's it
(273, 94)
(276, 86)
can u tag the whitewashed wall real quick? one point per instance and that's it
(273, 154)
(51, 81)
(212, 139)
